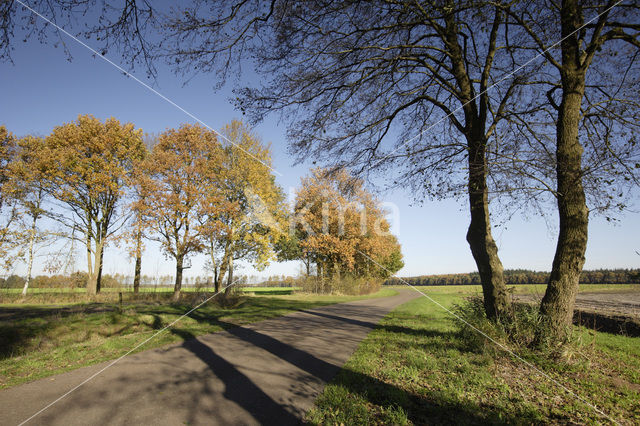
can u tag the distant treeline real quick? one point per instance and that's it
(79, 280)
(523, 276)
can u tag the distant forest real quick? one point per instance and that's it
(523, 276)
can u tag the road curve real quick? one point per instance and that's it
(269, 372)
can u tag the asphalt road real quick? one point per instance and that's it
(265, 373)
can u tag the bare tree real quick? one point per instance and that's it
(446, 80)
(348, 76)
(592, 93)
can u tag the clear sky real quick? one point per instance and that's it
(42, 89)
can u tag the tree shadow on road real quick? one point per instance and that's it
(430, 407)
(238, 387)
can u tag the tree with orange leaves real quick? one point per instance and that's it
(29, 185)
(90, 167)
(341, 226)
(253, 212)
(8, 211)
(179, 185)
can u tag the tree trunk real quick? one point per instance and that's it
(483, 247)
(216, 279)
(99, 259)
(138, 267)
(224, 263)
(230, 277)
(91, 275)
(100, 253)
(136, 274)
(227, 290)
(32, 240)
(178, 284)
(559, 298)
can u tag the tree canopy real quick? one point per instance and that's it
(90, 164)
(341, 227)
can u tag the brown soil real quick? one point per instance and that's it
(613, 312)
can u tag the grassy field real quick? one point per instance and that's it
(65, 296)
(39, 295)
(38, 341)
(163, 289)
(521, 289)
(416, 368)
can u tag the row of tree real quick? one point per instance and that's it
(190, 193)
(523, 276)
(526, 101)
(79, 280)
(100, 184)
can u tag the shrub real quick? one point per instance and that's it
(518, 329)
(14, 281)
(109, 281)
(347, 285)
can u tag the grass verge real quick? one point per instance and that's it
(416, 368)
(40, 341)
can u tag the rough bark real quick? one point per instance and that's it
(178, 284)
(481, 242)
(216, 279)
(214, 265)
(558, 301)
(138, 265)
(224, 264)
(136, 274)
(95, 272)
(227, 290)
(99, 263)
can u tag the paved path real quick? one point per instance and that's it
(265, 373)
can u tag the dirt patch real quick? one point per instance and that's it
(610, 303)
(612, 312)
(615, 324)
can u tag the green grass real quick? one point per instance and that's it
(145, 289)
(68, 296)
(271, 290)
(38, 341)
(521, 288)
(416, 368)
(42, 290)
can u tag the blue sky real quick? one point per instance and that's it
(43, 89)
